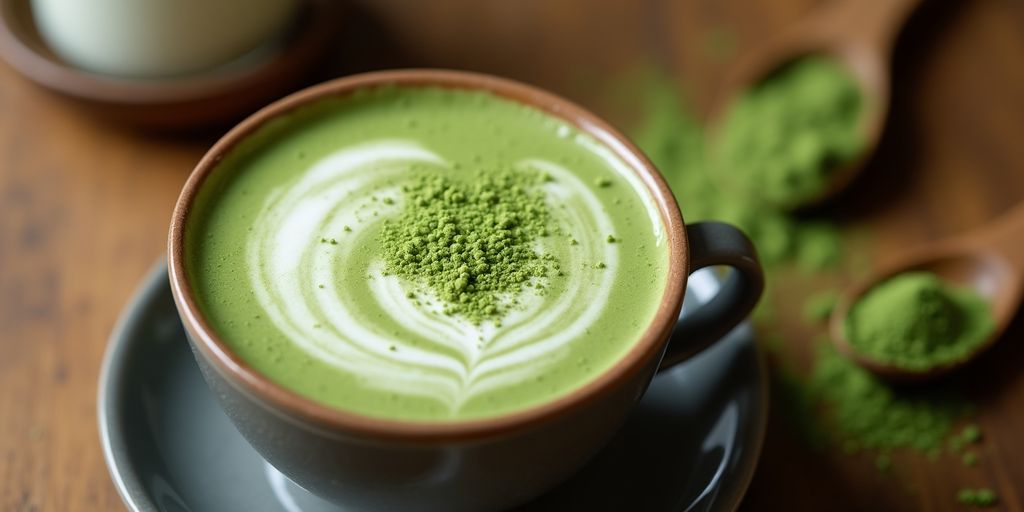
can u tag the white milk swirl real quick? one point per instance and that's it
(294, 278)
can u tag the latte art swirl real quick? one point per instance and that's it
(310, 239)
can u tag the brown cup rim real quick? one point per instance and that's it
(236, 371)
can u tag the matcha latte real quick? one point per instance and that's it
(428, 254)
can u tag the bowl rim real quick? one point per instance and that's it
(644, 353)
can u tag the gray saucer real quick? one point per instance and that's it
(692, 443)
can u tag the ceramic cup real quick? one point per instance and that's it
(153, 38)
(481, 464)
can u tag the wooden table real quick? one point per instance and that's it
(84, 208)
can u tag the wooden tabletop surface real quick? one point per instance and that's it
(84, 208)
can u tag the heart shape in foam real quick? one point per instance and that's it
(309, 234)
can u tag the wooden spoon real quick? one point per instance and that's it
(990, 260)
(859, 35)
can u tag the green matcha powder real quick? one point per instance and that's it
(782, 140)
(471, 244)
(672, 137)
(872, 415)
(917, 321)
(780, 143)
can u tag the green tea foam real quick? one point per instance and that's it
(284, 249)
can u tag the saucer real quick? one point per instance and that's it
(692, 443)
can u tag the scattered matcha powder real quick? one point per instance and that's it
(977, 497)
(470, 243)
(883, 462)
(871, 414)
(670, 134)
(781, 140)
(971, 433)
(917, 321)
(867, 412)
(818, 248)
(819, 306)
(970, 459)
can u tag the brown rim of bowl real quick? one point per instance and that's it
(239, 373)
(23, 49)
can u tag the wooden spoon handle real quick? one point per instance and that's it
(1005, 234)
(871, 22)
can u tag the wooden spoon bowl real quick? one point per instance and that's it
(989, 261)
(857, 34)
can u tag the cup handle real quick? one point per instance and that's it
(714, 244)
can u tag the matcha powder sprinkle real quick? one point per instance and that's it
(472, 244)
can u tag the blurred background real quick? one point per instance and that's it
(91, 163)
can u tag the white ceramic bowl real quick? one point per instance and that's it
(154, 38)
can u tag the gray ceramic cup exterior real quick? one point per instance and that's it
(487, 464)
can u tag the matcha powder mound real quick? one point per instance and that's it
(782, 138)
(917, 321)
(472, 244)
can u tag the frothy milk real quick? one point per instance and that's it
(286, 253)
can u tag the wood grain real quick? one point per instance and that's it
(84, 208)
